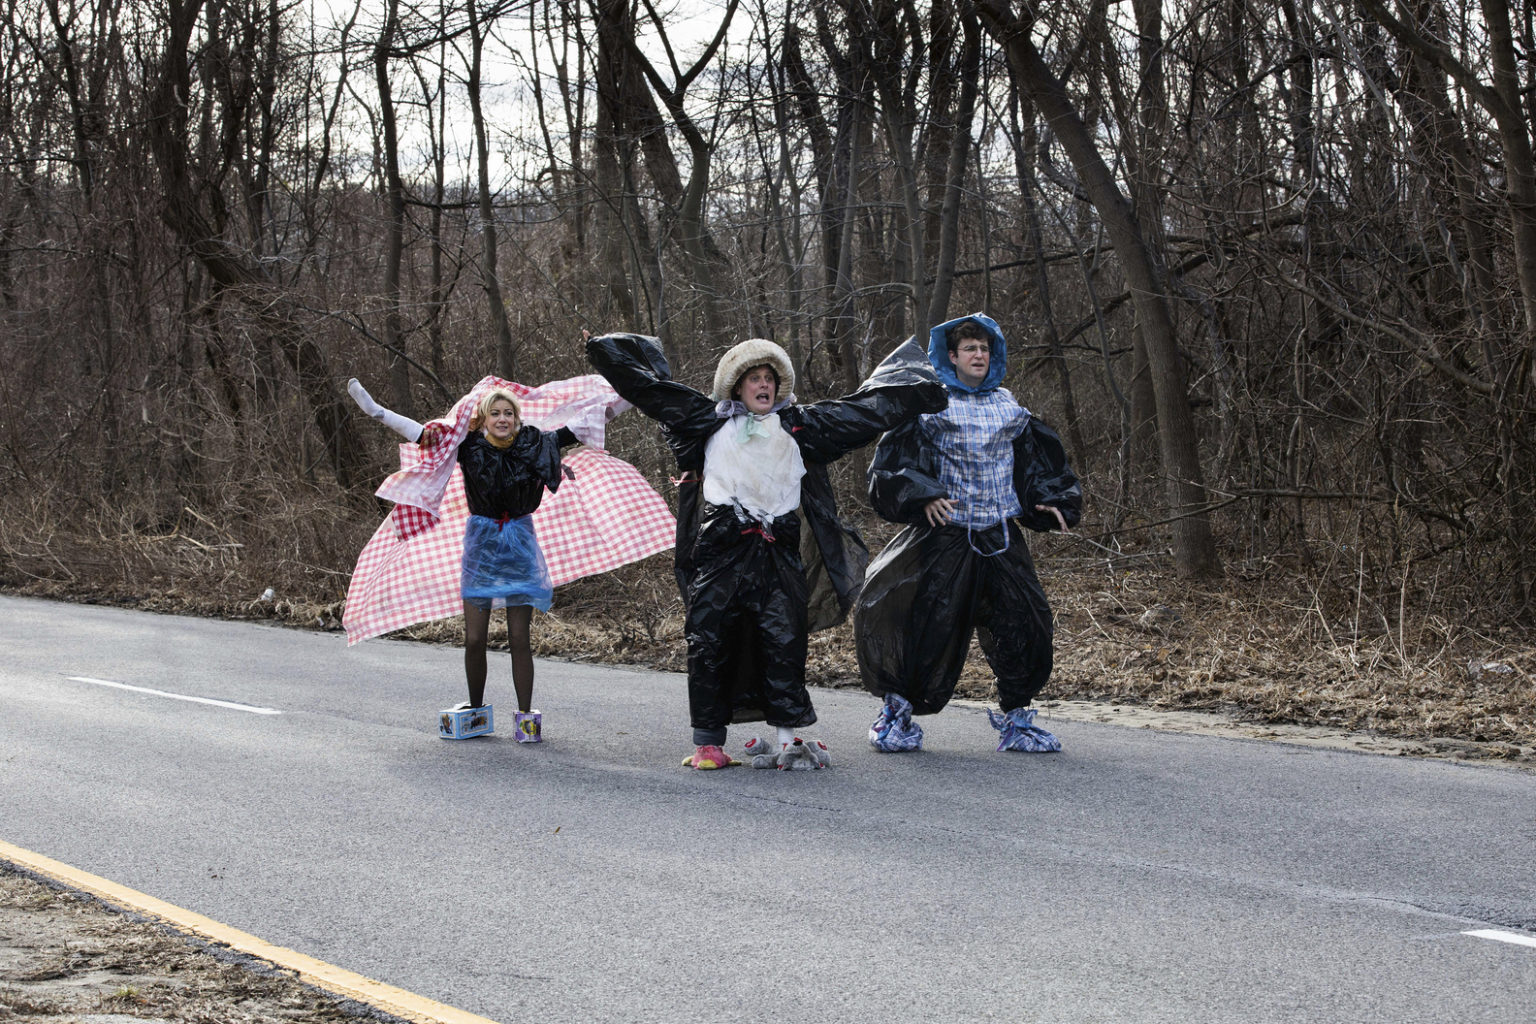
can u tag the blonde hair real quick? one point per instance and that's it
(491, 397)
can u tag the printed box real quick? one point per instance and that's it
(529, 726)
(463, 722)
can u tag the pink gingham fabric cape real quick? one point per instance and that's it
(604, 518)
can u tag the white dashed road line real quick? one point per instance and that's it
(178, 696)
(1497, 936)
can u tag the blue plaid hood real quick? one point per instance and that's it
(938, 354)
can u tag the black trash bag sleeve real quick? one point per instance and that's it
(638, 370)
(835, 427)
(904, 475)
(907, 364)
(1042, 476)
(546, 464)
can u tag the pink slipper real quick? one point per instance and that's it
(708, 757)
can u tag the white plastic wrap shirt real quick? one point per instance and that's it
(761, 473)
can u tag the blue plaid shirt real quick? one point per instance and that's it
(974, 437)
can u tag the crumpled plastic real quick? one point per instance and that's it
(763, 597)
(894, 729)
(919, 605)
(835, 555)
(1019, 732)
(904, 474)
(503, 565)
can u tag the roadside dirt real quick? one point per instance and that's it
(66, 958)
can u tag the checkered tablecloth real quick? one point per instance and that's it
(604, 518)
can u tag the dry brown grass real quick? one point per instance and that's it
(1260, 653)
(1264, 644)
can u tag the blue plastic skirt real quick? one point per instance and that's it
(503, 565)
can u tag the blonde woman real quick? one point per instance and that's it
(506, 465)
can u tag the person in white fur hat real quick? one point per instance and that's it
(762, 558)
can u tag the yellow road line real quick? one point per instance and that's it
(318, 973)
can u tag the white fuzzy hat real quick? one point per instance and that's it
(743, 357)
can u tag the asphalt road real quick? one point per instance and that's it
(1137, 876)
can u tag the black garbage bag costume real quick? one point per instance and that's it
(753, 590)
(932, 586)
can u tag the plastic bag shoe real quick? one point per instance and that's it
(804, 756)
(894, 729)
(762, 753)
(1019, 732)
(708, 758)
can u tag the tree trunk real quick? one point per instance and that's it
(1194, 542)
(394, 235)
(613, 251)
(832, 154)
(227, 266)
(1024, 146)
(496, 306)
(434, 97)
(954, 180)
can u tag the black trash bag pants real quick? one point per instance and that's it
(924, 596)
(746, 623)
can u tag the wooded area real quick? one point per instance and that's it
(1269, 267)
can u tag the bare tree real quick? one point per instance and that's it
(434, 95)
(479, 25)
(691, 228)
(1194, 543)
(394, 191)
(833, 142)
(186, 190)
(952, 183)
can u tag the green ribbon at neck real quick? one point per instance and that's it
(752, 426)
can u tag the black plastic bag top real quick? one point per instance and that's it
(638, 370)
(907, 364)
(834, 554)
(511, 482)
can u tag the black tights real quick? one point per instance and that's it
(477, 625)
